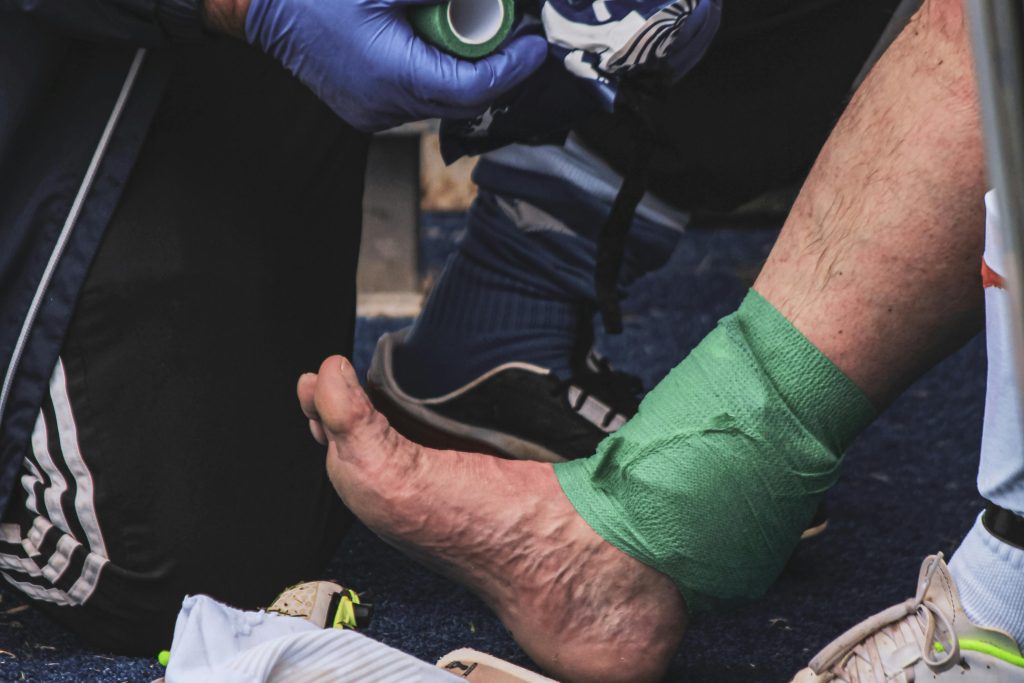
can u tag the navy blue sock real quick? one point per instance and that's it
(477, 319)
(521, 283)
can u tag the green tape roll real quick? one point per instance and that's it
(465, 28)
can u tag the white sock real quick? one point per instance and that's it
(989, 572)
(990, 577)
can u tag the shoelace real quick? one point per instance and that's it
(619, 390)
(910, 624)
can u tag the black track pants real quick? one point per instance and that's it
(170, 456)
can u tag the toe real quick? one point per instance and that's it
(339, 401)
(317, 430)
(306, 391)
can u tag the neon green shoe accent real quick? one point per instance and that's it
(986, 649)
(345, 616)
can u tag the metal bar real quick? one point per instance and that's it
(389, 257)
(997, 34)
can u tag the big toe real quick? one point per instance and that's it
(340, 402)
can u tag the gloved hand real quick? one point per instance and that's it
(362, 58)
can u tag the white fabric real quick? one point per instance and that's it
(1001, 471)
(995, 252)
(52, 510)
(639, 37)
(214, 643)
(67, 432)
(50, 505)
(988, 572)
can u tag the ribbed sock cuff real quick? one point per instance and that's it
(990, 577)
(476, 320)
(470, 298)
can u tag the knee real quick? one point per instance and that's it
(947, 18)
(942, 42)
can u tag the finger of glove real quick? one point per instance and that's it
(406, 3)
(456, 83)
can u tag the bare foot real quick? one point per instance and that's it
(582, 609)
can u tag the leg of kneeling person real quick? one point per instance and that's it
(873, 280)
(169, 457)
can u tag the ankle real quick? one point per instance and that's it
(989, 574)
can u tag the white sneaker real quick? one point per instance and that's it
(925, 638)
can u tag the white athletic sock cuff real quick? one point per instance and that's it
(990, 577)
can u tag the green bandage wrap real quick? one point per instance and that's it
(716, 477)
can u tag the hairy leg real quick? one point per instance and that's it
(877, 264)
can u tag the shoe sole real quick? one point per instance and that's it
(815, 530)
(417, 422)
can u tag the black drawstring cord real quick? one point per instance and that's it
(634, 103)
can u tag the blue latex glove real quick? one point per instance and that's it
(362, 58)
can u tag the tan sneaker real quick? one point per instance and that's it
(325, 604)
(478, 667)
(925, 638)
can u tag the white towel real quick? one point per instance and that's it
(214, 643)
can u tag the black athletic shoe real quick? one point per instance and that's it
(517, 410)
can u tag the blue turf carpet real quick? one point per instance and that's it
(907, 490)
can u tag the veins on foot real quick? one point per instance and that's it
(581, 608)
